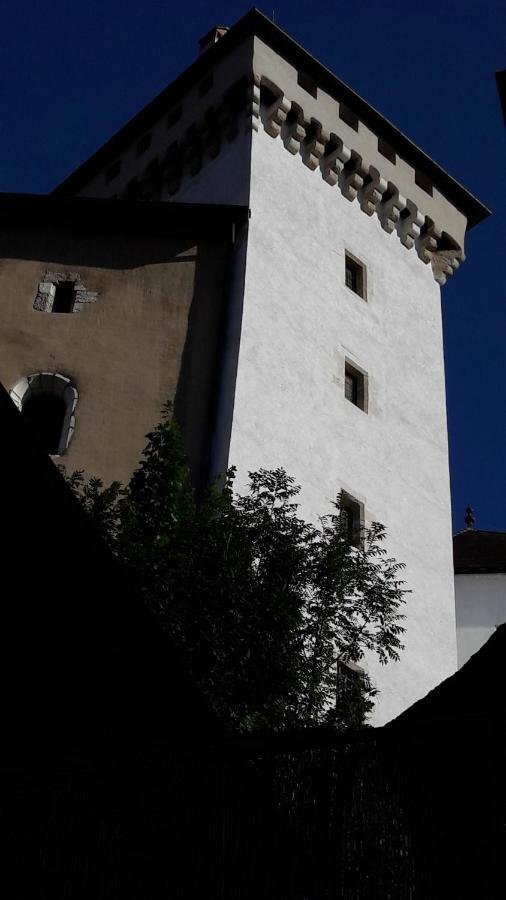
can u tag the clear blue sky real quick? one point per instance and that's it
(72, 73)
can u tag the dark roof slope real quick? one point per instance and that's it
(477, 689)
(255, 23)
(479, 551)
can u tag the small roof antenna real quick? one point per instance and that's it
(469, 518)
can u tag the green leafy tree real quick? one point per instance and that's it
(268, 609)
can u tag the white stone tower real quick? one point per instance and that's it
(332, 361)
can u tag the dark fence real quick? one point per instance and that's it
(390, 813)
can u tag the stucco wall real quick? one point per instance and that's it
(480, 605)
(124, 352)
(299, 323)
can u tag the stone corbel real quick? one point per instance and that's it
(427, 243)
(372, 192)
(441, 266)
(410, 225)
(335, 158)
(295, 129)
(314, 145)
(352, 177)
(275, 115)
(444, 263)
(390, 209)
(253, 103)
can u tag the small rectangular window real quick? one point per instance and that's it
(143, 145)
(307, 83)
(352, 515)
(174, 116)
(354, 275)
(355, 386)
(422, 181)
(387, 151)
(113, 170)
(206, 85)
(64, 297)
(348, 116)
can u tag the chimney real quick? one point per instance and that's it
(211, 38)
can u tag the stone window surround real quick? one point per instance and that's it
(54, 383)
(361, 270)
(47, 287)
(357, 509)
(362, 386)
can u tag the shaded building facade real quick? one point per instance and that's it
(330, 359)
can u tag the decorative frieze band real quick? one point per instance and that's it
(256, 100)
(343, 166)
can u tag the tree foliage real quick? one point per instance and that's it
(267, 608)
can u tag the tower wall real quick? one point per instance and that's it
(299, 324)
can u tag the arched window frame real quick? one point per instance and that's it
(50, 383)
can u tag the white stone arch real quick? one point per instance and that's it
(52, 383)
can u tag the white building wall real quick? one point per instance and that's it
(480, 604)
(299, 323)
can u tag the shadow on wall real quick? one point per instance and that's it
(204, 403)
(83, 663)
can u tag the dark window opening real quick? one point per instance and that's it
(351, 514)
(355, 386)
(348, 116)
(422, 181)
(45, 413)
(113, 170)
(143, 145)
(64, 297)
(354, 276)
(307, 84)
(174, 116)
(387, 151)
(205, 85)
